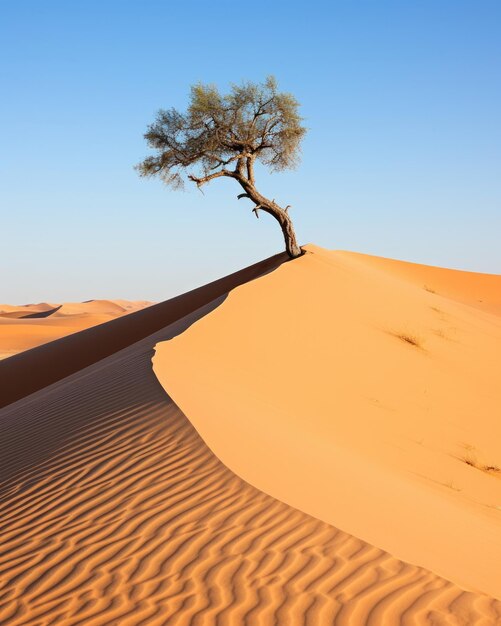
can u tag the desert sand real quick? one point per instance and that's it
(369, 392)
(26, 326)
(115, 510)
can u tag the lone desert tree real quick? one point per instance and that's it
(224, 135)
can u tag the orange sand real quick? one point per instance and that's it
(24, 327)
(308, 385)
(113, 510)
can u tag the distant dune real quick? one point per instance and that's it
(26, 326)
(115, 511)
(10, 311)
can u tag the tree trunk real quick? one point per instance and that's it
(271, 207)
(291, 245)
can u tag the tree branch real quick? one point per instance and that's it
(220, 162)
(255, 209)
(205, 179)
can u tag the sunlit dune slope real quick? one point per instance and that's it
(341, 385)
(482, 291)
(113, 511)
(24, 327)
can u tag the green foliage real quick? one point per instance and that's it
(252, 122)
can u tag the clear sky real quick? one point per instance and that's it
(403, 156)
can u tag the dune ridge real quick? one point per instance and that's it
(479, 290)
(43, 365)
(114, 511)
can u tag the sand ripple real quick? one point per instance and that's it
(114, 511)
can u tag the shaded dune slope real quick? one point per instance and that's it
(41, 314)
(34, 369)
(125, 517)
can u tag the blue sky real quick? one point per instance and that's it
(402, 158)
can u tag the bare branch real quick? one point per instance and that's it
(255, 209)
(220, 162)
(205, 179)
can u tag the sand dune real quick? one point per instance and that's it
(113, 308)
(27, 326)
(113, 511)
(364, 392)
(25, 310)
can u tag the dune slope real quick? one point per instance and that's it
(114, 511)
(481, 291)
(349, 388)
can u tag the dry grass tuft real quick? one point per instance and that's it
(471, 459)
(409, 338)
(488, 469)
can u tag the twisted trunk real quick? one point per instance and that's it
(291, 245)
(272, 208)
(244, 175)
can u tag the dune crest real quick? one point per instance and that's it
(364, 392)
(30, 371)
(481, 291)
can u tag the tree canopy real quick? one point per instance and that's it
(224, 135)
(252, 122)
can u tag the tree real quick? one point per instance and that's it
(224, 135)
